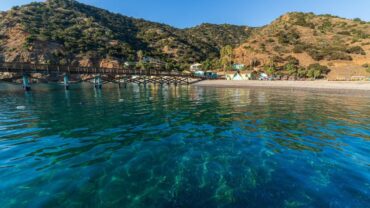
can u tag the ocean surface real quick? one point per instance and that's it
(182, 147)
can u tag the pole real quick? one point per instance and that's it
(98, 82)
(66, 82)
(26, 83)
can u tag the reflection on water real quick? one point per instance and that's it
(183, 147)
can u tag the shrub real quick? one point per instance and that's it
(359, 34)
(263, 47)
(255, 62)
(302, 72)
(299, 48)
(359, 20)
(279, 49)
(367, 67)
(316, 54)
(317, 71)
(356, 50)
(329, 53)
(270, 70)
(292, 60)
(277, 59)
(300, 19)
(291, 69)
(326, 25)
(344, 33)
(337, 55)
(291, 37)
(248, 47)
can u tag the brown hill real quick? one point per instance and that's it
(331, 41)
(69, 32)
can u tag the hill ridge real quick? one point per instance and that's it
(70, 32)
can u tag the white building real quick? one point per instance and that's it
(196, 67)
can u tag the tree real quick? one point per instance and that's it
(140, 57)
(226, 57)
(207, 65)
(270, 70)
(302, 72)
(317, 71)
(291, 68)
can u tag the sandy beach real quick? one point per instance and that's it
(314, 85)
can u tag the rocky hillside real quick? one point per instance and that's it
(69, 32)
(308, 39)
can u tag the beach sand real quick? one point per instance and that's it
(313, 85)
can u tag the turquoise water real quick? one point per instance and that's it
(183, 147)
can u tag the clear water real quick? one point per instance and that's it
(184, 147)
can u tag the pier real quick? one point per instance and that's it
(99, 76)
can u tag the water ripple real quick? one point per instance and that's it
(183, 147)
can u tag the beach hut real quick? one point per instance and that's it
(263, 76)
(196, 67)
(199, 73)
(236, 77)
(211, 75)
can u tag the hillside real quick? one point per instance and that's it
(307, 39)
(68, 32)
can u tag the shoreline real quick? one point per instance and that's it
(363, 86)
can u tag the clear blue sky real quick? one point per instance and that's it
(187, 13)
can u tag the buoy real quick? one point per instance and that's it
(21, 107)
(121, 100)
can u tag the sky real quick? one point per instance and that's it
(188, 13)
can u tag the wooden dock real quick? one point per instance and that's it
(121, 76)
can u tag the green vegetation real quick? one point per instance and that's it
(211, 64)
(301, 19)
(333, 52)
(299, 48)
(359, 20)
(85, 31)
(226, 57)
(317, 71)
(140, 57)
(73, 33)
(344, 33)
(326, 26)
(291, 37)
(356, 50)
(292, 68)
(367, 67)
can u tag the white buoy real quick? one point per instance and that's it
(121, 100)
(21, 107)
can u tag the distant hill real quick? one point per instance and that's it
(308, 39)
(66, 31)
